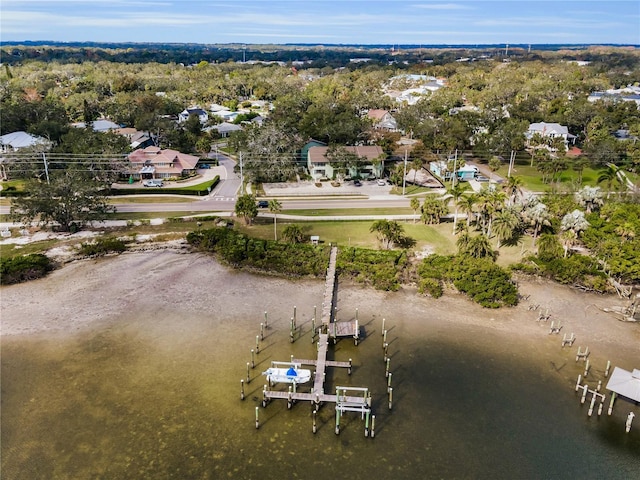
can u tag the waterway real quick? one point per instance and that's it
(155, 393)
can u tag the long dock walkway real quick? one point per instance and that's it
(342, 399)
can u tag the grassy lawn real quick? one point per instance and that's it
(152, 199)
(531, 178)
(319, 212)
(356, 233)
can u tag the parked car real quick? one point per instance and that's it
(357, 183)
(263, 204)
(205, 166)
(152, 183)
(381, 182)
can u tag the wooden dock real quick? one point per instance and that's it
(347, 399)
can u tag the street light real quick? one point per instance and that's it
(404, 177)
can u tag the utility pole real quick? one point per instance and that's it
(404, 178)
(46, 166)
(455, 168)
(511, 160)
(241, 176)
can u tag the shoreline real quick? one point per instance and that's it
(76, 298)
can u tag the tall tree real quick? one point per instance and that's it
(70, 200)
(275, 207)
(246, 208)
(388, 232)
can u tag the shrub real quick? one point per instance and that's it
(102, 246)
(24, 268)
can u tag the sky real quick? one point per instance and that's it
(363, 22)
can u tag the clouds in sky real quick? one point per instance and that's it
(317, 21)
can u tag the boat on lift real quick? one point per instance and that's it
(286, 372)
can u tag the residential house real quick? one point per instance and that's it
(372, 165)
(382, 120)
(153, 162)
(628, 94)
(137, 139)
(549, 131)
(100, 125)
(203, 116)
(224, 129)
(13, 142)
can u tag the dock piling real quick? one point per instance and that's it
(248, 375)
(373, 426)
(265, 319)
(257, 419)
(382, 331)
(386, 351)
(386, 370)
(389, 382)
(253, 362)
(611, 402)
(384, 338)
(261, 331)
(390, 396)
(315, 428)
(606, 370)
(366, 424)
(257, 344)
(627, 427)
(242, 389)
(578, 382)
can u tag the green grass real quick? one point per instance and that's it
(319, 212)
(532, 179)
(151, 199)
(357, 234)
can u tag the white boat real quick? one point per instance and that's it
(292, 374)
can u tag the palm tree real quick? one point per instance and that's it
(415, 206)
(387, 231)
(549, 246)
(589, 197)
(480, 247)
(293, 233)
(275, 207)
(468, 204)
(537, 216)
(513, 188)
(609, 175)
(433, 209)
(455, 193)
(506, 224)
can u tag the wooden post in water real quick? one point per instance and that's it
(366, 424)
(248, 376)
(253, 362)
(586, 368)
(613, 399)
(599, 386)
(349, 368)
(390, 396)
(386, 370)
(384, 338)
(294, 316)
(266, 324)
(289, 398)
(584, 393)
(578, 382)
(356, 332)
(242, 389)
(386, 351)
(257, 343)
(315, 429)
(382, 331)
(389, 382)
(627, 427)
(261, 331)
(606, 370)
(373, 426)
(593, 402)
(313, 329)
(257, 420)
(292, 330)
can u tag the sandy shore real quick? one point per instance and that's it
(89, 293)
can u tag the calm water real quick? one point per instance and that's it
(157, 396)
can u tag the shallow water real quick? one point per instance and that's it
(155, 394)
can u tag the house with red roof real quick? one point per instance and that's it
(153, 162)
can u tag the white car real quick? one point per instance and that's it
(381, 182)
(152, 183)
